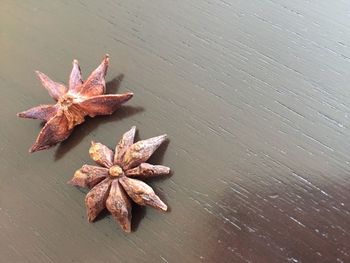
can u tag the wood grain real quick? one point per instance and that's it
(254, 96)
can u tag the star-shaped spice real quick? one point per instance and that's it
(80, 99)
(113, 185)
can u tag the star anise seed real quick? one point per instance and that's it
(81, 99)
(114, 184)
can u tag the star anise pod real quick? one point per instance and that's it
(113, 185)
(74, 103)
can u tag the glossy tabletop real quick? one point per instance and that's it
(254, 96)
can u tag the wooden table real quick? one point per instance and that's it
(254, 96)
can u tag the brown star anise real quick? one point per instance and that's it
(73, 104)
(113, 184)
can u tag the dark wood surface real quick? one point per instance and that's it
(254, 96)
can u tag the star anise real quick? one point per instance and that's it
(113, 184)
(80, 99)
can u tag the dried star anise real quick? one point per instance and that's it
(73, 104)
(113, 184)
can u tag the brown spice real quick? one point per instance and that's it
(73, 104)
(111, 185)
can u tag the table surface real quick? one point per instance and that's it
(254, 96)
